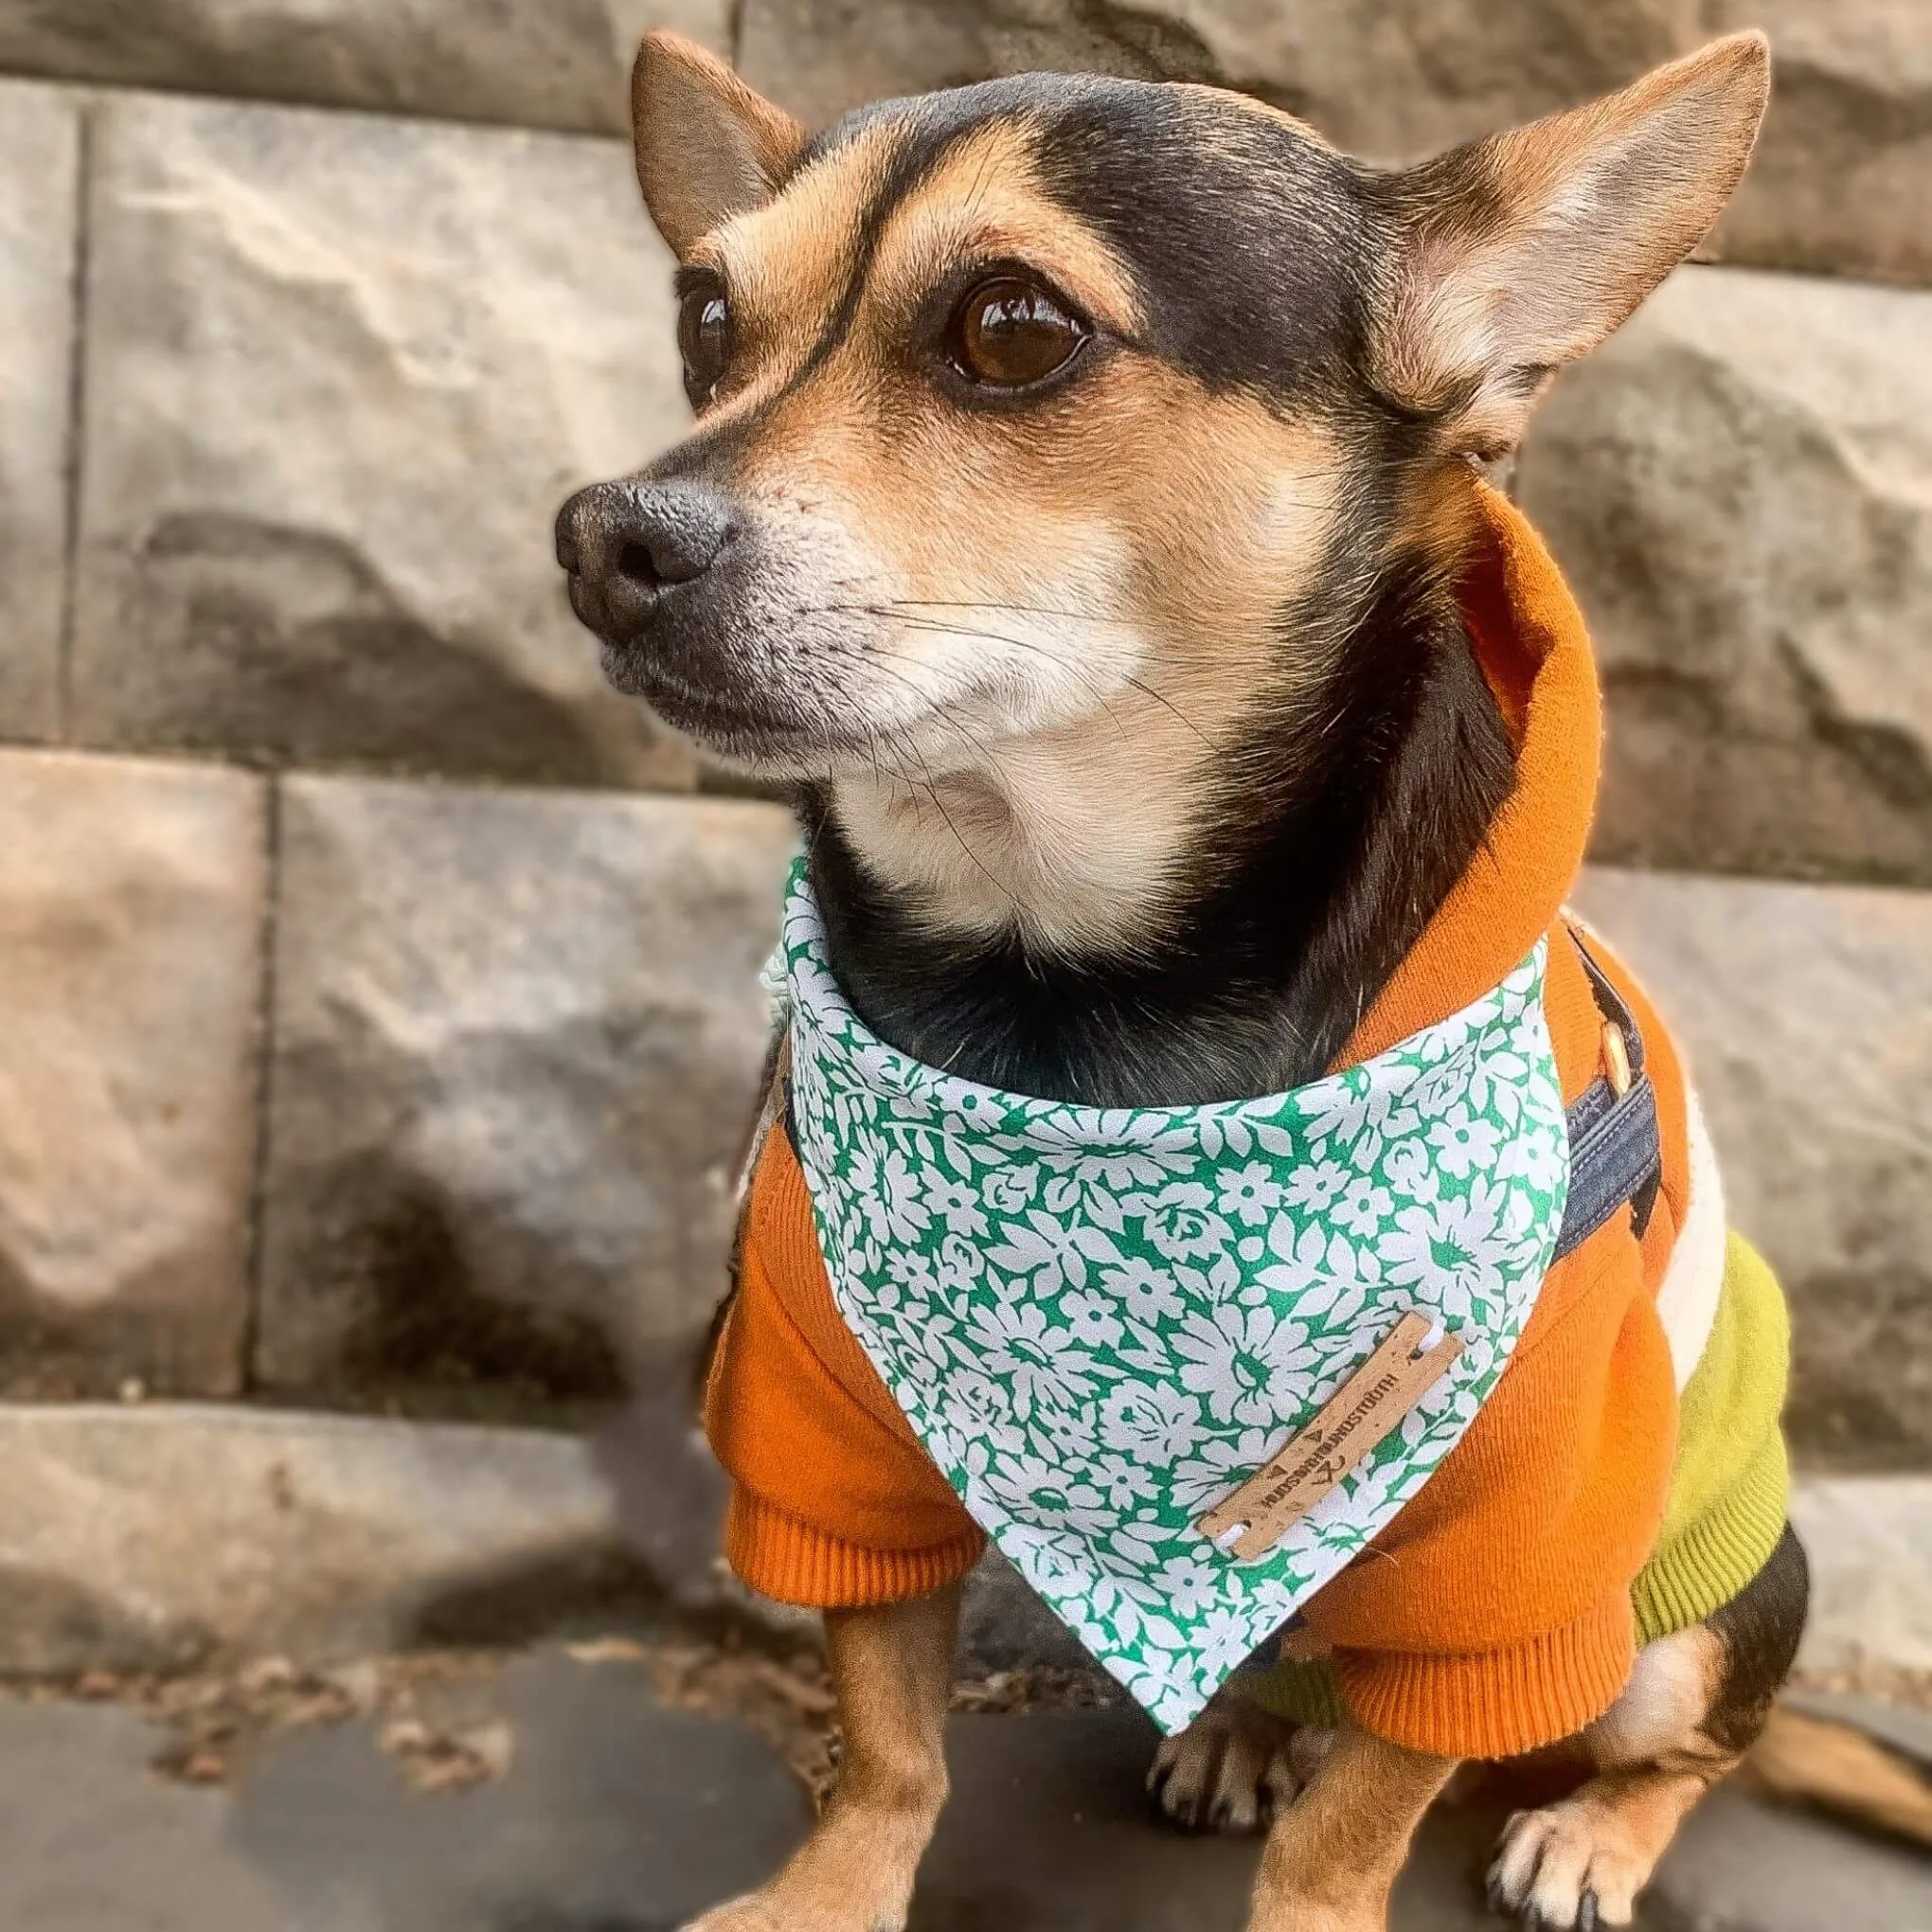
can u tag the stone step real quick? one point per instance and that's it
(1805, 1018)
(296, 381)
(341, 372)
(1739, 487)
(39, 150)
(1838, 182)
(146, 1536)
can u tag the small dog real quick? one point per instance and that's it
(1083, 516)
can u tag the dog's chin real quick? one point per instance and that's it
(757, 727)
(743, 730)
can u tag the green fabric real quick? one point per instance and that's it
(1730, 1486)
(1307, 1692)
(1730, 1482)
(1099, 1321)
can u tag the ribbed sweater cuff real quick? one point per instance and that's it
(1719, 1553)
(1494, 1704)
(781, 1557)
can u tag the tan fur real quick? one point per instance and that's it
(1235, 1766)
(706, 145)
(1812, 1761)
(986, 201)
(1529, 247)
(892, 1669)
(1601, 1843)
(1332, 1858)
(787, 263)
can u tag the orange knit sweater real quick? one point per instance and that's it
(1493, 1614)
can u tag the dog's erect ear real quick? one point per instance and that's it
(708, 147)
(1522, 252)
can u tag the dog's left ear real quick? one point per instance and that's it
(1521, 253)
(708, 147)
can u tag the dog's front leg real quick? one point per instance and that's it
(892, 1671)
(1333, 1857)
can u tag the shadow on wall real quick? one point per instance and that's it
(423, 1326)
(289, 641)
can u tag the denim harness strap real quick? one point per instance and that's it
(1616, 1149)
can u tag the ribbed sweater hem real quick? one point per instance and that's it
(781, 1557)
(1717, 1555)
(1494, 1704)
(1304, 1692)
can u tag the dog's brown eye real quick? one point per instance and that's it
(703, 339)
(1010, 332)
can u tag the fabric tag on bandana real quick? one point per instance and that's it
(1409, 1362)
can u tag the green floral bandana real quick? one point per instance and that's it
(1099, 1321)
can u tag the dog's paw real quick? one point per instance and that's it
(1573, 1867)
(1234, 1768)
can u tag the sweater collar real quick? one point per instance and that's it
(1534, 651)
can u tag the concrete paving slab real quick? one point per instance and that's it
(615, 1815)
(91, 1841)
(330, 1536)
(1049, 1827)
(1742, 1866)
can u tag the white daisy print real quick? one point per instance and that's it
(1250, 1193)
(1150, 1422)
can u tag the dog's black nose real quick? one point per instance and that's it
(626, 545)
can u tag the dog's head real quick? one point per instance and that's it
(1056, 406)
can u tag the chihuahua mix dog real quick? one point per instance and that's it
(1083, 475)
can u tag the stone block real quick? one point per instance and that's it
(1870, 1542)
(131, 906)
(1839, 181)
(341, 372)
(517, 1037)
(562, 65)
(150, 1537)
(1805, 1013)
(1842, 179)
(1740, 487)
(40, 144)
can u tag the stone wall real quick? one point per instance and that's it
(380, 986)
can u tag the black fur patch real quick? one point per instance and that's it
(1760, 1629)
(1255, 249)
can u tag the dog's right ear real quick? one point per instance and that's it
(708, 147)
